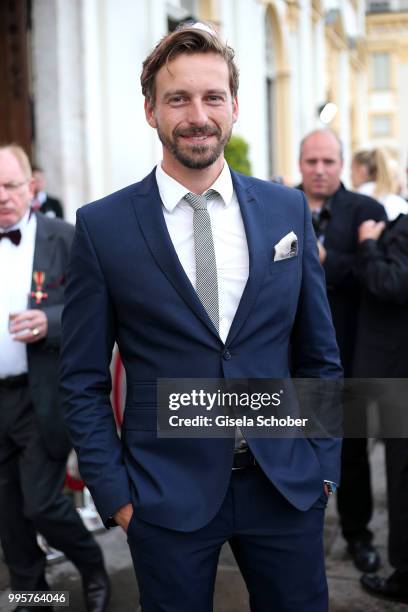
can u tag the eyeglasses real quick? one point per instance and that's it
(13, 186)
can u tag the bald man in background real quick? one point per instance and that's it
(337, 214)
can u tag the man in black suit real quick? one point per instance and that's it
(382, 352)
(34, 444)
(46, 204)
(337, 214)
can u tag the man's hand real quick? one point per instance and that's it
(370, 230)
(123, 516)
(322, 252)
(29, 326)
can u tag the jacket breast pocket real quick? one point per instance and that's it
(284, 265)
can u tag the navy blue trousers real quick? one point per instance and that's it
(278, 548)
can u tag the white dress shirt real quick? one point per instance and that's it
(230, 243)
(16, 268)
(41, 197)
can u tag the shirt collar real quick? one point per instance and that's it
(172, 192)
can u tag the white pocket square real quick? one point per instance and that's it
(287, 247)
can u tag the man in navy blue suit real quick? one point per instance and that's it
(199, 272)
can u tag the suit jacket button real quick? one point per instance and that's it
(227, 355)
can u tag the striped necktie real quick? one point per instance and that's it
(206, 265)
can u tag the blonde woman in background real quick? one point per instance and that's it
(372, 175)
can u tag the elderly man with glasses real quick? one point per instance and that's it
(33, 441)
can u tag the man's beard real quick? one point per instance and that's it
(198, 156)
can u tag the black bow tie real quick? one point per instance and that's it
(13, 235)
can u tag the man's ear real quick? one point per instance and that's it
(234, 109)
(31, 186)
(149, 112)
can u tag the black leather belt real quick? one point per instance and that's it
(243, 459)
(14, 382)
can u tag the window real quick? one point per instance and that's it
(381, 70)
(378, 6)
(381, 125)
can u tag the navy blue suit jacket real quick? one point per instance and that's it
(126, 284)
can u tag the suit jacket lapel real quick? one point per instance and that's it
(253, 215)
(148, 208)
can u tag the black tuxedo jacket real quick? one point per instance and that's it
(382, 345)
(347, 211)
(52, 247)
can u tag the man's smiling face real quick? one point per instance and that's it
(193, 110)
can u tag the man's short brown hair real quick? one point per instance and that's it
(189, 40)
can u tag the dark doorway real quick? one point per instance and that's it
(15, 106)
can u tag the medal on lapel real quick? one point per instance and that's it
(39, 294)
